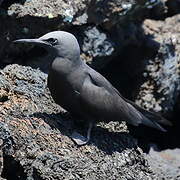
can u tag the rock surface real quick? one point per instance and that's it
(35, 143)
(162, 87)
(34, 18)
(165, 161)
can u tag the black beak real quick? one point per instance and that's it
(33, 42)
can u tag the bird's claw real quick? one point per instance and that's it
(79, 139)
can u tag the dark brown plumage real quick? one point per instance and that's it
(81, 90)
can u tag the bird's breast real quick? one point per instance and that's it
(64, 89)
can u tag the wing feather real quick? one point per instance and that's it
(100, 100)
(103, 100)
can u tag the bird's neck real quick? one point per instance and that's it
(65, 65)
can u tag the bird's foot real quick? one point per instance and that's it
(79, 139)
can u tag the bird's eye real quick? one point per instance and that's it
(52, 41)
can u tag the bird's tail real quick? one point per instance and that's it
(151, 119)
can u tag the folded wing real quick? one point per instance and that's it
(101, 99)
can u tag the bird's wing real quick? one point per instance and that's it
(150, 115)
(101, 100)
(98, 93)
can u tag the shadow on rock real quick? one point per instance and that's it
(101, 137)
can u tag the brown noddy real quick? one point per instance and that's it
(82, 91)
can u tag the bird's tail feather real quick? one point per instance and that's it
(142, 119)
(151, 119)
(152, 123)
(152, 115)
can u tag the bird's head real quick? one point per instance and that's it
(57, 43)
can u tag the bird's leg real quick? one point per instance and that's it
(81, 140)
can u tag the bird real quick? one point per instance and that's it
(84, 92)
